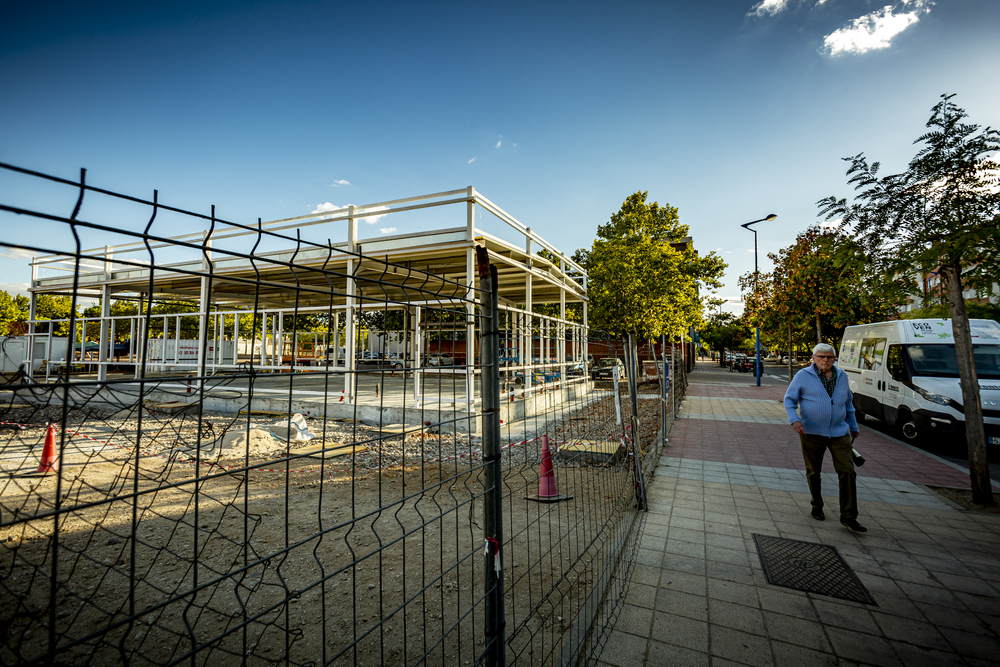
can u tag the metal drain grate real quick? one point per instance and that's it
(805, 566)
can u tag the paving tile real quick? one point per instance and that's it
(740, 646)
(624, 650)
(916, 656)
(976, 645)
(798, 631)
(730, 591)
(642, 595)
(635, 620)
(972, 585)
(898, 605)
(682, 548)
(849, 616)
(931, 594)
(684, 581)
(862, 648)
(910, 631)
(730, 556)
(645, 574)
(676, 656)
(784, 601)
(791, 655)
(680, 631)
(729, 572)
(736, 616)
(948, 617)
(682, 604)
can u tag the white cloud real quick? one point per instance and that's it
(326, 208)
(875, 30)
(472, 160)
(832, 224)
(768, 7)
(387, 230)
(15, 288)
(498, 144)
(338, 183)
(369, 218)
(17, 253)
(369, 215)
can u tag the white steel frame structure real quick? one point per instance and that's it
(525, 279)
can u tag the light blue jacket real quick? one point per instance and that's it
(820, 413)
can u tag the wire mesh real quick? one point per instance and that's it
(269, 450)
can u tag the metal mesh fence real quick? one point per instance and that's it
(243, 447)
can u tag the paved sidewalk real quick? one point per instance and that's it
(733, 468)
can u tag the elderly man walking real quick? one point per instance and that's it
(825, 420)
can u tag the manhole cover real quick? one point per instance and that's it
(805, 566)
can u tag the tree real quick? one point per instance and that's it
(824, 281)
(10, 314)
(639, 282)
(724, 331)
(942, 212)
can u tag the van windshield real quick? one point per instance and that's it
(941, 360)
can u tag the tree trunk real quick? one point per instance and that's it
(975, 436)
(819, 334)
(789, 351)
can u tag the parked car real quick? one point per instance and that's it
(437, 359)
(604, 368)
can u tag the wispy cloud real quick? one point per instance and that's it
(16, 253)
(338, 183)
(387, 230)
(875, 30)
(326, 208)
(768, 7)
(472, 160)
(498, 144)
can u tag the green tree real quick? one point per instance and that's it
(10, 315)
(823, 282)
(724, 331)
(639, 282)
(943, 212)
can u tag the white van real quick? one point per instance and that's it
(906, 373)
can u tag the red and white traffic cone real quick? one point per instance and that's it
(547, 491)
(50, 460)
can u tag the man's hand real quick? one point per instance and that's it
(854, 435)
(797, 426)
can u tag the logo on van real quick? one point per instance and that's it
(989, 402)
(921, 326)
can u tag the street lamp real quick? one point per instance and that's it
(757, 365)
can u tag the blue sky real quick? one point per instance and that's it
(728, 110)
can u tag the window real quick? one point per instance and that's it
(872, 350)
(896, 362)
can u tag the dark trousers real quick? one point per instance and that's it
(813, 448)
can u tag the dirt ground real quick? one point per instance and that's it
(373, 558)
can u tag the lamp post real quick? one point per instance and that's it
(758, 367)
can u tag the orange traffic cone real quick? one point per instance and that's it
(49, 462)
(547, 491)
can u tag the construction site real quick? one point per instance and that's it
(246, 447)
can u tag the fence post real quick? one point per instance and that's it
(489, 299)
(631, 354)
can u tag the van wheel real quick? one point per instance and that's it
(907, 426)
